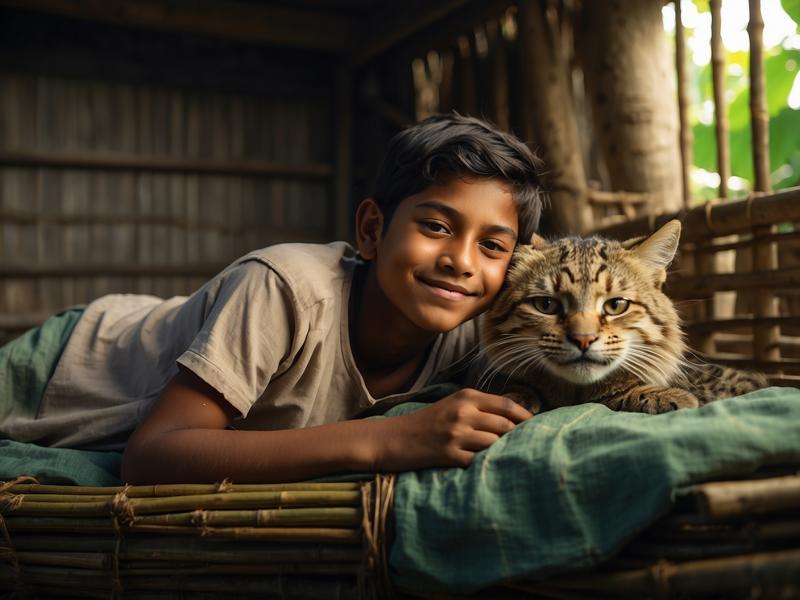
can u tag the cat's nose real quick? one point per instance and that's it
(582, 340)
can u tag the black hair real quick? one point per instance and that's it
(446, 146)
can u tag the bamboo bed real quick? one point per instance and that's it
(327, 541)
(331, 540)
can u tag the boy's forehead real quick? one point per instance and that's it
(487, 201)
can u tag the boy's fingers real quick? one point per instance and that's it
(478, 440)
(506, 407)
(492, 423)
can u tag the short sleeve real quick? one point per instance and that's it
(248, 331)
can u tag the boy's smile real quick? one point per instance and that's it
(443, 257)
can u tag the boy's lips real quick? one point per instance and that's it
(446, 290)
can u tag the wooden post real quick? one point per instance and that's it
(468, 80)
(342, 221)
(498, 53)
(550, 118)
(629, 78)
(683, 105)
(765, 258)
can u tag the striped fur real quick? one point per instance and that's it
(634, 360)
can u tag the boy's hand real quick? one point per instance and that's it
(449, 432)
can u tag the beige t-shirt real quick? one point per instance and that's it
(270, 333)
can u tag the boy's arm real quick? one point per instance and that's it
(184, 439)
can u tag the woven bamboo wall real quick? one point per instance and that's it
(109, 186)
(736, 281)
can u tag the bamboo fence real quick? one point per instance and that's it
(746, 319)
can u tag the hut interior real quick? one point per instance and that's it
(145, 144)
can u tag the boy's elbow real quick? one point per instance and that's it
(131, 468)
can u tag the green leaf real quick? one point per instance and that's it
(704, 148)
(792, 8)
(780, 69)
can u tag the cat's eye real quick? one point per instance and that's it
(546, 304)
(616, 306)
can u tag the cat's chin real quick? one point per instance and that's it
(582, 373)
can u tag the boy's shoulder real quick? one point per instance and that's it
(310, 270)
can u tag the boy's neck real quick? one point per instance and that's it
(389, 350)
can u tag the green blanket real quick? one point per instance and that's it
(568, 488)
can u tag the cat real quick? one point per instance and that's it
(585, 320)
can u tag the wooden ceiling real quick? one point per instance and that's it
(358, 29)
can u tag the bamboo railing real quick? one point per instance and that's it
(707, 231)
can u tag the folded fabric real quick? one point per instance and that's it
(59, 466)
(566, 489)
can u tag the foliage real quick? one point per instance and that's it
(781, 67)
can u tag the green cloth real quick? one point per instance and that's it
(26, 365)
(58, 466)
(28, 362)
(567, 488)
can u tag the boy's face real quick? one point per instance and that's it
(444, 256)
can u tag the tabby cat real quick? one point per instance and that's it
(585, 320)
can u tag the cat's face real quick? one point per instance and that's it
(584, 308)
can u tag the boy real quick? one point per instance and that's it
(252, 377)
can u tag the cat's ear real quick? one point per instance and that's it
(658, 250)
(538, 242)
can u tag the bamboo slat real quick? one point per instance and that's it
(701, 286)
(169, 164)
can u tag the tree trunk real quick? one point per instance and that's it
(629, 77)
(549, 119)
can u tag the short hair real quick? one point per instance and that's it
(446, 146)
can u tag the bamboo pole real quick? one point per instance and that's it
(685, 136)
(701, 223)
(765, 256)
(720, 105)
(262, 534)
(182, 489)
(705, 263)
(732, 499)
(189, 549)
(703, 576)
(30, 506)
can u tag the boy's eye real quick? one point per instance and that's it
(493, 246)
(434, 226)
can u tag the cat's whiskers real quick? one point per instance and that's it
(521, 351)
(648, 361)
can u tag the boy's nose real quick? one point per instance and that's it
(459, 262)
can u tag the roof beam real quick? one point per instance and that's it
(261, 24)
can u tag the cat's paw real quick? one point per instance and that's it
(655, 400)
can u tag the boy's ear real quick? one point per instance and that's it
(369, 226)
